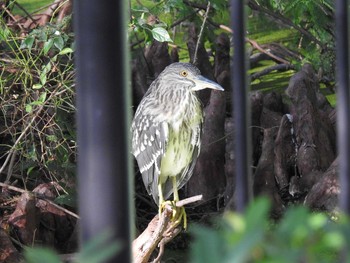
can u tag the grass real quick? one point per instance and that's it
(31, 6)
(274, 81)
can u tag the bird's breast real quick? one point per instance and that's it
(178, 154)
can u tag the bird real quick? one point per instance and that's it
(166, 132)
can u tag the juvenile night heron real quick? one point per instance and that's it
(166, 131)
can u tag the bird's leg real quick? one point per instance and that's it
(179, 213)
(161, 199)
(176, 193)
(162, 202)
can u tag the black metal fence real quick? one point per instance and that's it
(343, 109)
(104, 165)
(104, 113)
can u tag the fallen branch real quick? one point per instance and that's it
(252, 42)
(8, 12)
(48, 13)
(258, 47)
(158, 232)
(39, 196)
(266, 71)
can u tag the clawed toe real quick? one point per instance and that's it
(178, 213)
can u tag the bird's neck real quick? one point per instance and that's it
(177, 106)
(185, 112)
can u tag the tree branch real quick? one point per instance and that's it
(158, 233)
(200, 34)
(258, 47)
(254, 6)
(266, 71)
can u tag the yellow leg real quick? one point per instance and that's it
(160, 194)
(176, 194)
(179, 213)
(162, 202)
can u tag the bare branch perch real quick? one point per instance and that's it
(158, 233)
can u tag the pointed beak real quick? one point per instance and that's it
(204, 83)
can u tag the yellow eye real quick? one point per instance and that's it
(184, 73)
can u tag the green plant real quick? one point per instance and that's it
(315, 23)
(300, 236)
(37, 104)
(99, 249)
(150, 29)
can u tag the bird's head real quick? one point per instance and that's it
(186, 74)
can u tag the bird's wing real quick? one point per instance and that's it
(148, 146)
(196, 142)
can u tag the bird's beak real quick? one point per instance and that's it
(204, 83)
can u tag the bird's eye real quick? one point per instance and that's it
(184, 73)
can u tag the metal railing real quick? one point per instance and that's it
(103, 100)
(343, 109)
(240, 107)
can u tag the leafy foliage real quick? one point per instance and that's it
(150, 29)
(97, 250)
(301, 236)
(317, 18)
(37, 102)
(41, 255)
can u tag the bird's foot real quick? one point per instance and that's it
(163, 205)
(178, 213)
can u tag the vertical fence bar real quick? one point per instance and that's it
(343, 109)
(103, 122)
(240, 109)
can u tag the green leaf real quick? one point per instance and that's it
(27, 43)
(36, 103)
(58, 42)
(40, 255)
(99, 249)
(43, 74)
(47, 68)
(4, 33)
(47, 46)
(148, 36)
(29, 108)
(42, 97)
(66, 200)
(43, 78)
(209, 246)
(161, 35)
(37, 86)
(30, 169)
(141, 21)
(334, 239)
(251, 231)
(142, 9)
(257, 214)
(66, 50)
(51, 138)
